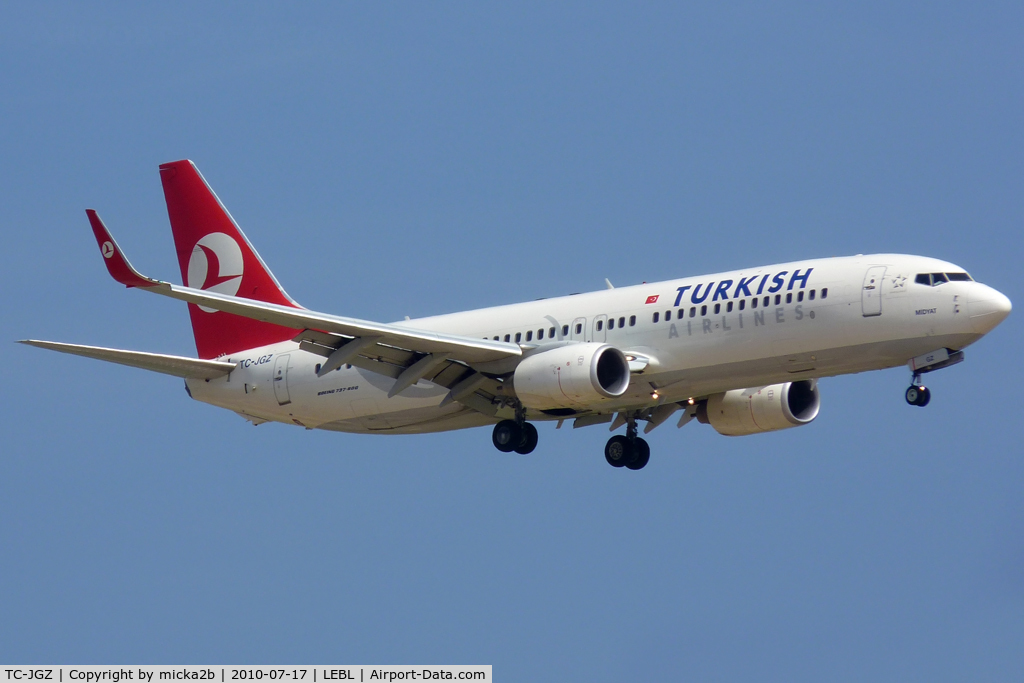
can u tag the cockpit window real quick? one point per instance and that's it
(935, 279)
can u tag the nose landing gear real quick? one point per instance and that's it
(917, 394)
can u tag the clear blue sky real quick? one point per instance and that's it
(415, 159)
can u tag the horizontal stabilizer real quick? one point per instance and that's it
(179, 366)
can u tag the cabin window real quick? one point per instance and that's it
(317, 368)
(789, 298)
(632, 320)
(655, 318)
(811, 297)
(718, 308)
(551, 333)
(579, 328)
(728, 307)
(743, 304)
(668, 316)
(519, 337)
(753, 302)
(600, 325)
(508, 338)
(611, 323)
(681, 313)
(703, 310)
(800, 296)
(495, 337)
(766, 301)
(824, 292)
(540, 334)
(622, 321)
(693, 311)
(778, 299)
(529, 335)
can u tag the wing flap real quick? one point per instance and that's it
(178, 366)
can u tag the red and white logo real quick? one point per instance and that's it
(215, 265)
(653, 299)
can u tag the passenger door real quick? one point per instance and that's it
(281, 380)
(871, 292)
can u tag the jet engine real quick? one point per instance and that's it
(763, 409)
(572, 376)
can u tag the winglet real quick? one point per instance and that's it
(117, 264)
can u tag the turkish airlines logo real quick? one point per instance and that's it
(215, 265)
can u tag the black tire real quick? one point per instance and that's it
(643, 455)
(618, 451)
(506, 436)
(913, 395)
(528, 441)
(923, 397)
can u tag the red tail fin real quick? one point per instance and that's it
(214, 254)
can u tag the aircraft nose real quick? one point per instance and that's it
(988, 307)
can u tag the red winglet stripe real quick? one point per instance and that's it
(117, 264)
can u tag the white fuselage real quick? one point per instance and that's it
(866, 313)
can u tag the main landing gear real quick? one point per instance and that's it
(629, 451)
(513, 435)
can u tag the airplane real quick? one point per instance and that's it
(740, 350)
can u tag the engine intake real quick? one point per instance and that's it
(764, 409)
(575, 376)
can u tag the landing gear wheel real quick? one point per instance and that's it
(643, 455)
(507, 436)
(918, 396)
(528, 441)
(618, 451)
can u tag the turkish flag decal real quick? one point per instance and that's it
(653, 299)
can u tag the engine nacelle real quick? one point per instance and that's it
(764, 409)
(571, 376)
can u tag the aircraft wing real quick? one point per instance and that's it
(405, 354)
(438, 345)
(179, 366)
